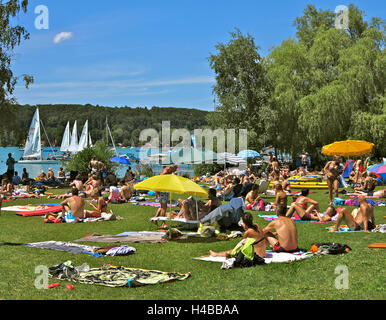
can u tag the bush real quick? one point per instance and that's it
(81, 161)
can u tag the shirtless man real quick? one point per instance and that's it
(61, 175)
(6, 187)
(301, 207)
(252, 197)
(94, 165)
(42, 176)
(73, 205)
(286, 232)
(77, 183)
(361, 218)
(169, 170)
(252, 231)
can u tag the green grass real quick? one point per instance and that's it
(312, 278)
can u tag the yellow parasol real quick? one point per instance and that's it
(348, 148)
(173, 184)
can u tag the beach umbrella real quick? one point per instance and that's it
(120, 160)
(379, 170)
(173, 184)
(348, 148)
(248, 154)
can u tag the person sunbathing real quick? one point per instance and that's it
(329, 215)
(281, 198)
(361, 218)
(300, 206)
(253, 236)
(6, 187)
(189, 207)
(286, 185)
(252, 198)
(369, 184)
(285, 238)
(126, 192)
(99, 208)
(73, 205)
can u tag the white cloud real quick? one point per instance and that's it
(62, 37)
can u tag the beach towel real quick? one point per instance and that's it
(297, 220)
(271, 257)
(181, 220)
(69, 247)
(30, 207)
(141, 236)
(344, 229)
(114, 276)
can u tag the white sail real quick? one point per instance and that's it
(66, 139)
(33, 147)
(89, 140)
(83, 142)
(73, 147)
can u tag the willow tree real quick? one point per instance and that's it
(329, 84)
(10, 36)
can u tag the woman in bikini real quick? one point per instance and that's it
(331, 170)
(301, 207)
(99, 208)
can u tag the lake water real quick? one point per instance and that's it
(35, 169)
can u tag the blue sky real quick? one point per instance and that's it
(145, 53)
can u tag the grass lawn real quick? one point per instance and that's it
(309, 279)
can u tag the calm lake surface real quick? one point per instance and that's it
(35, 169)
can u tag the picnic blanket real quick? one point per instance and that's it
(114, 276)
(297, 220)
(271, 257)
(75, 248)
(134, 236)
(141, 236)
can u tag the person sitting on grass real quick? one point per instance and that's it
(329, 215)
(6, 187)
(286, 184)
(281, 198)
(252, 199)
(42, 176)
(253, 236)
(73, 205)
(50, 175)
(361, 218)
(285, 238)
(99, 208)
(369, 184)
(300, 206)
(126, 192)
(189, 210)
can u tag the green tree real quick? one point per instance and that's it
(10, 36)
(329, 85)
(242, 88)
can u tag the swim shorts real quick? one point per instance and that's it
(277, 248)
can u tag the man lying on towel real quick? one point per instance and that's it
(254, 241)
(286, 232)
(361, 218)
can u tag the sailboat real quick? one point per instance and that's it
(33, 146)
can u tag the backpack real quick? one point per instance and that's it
(242, 261)
(332, 248)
